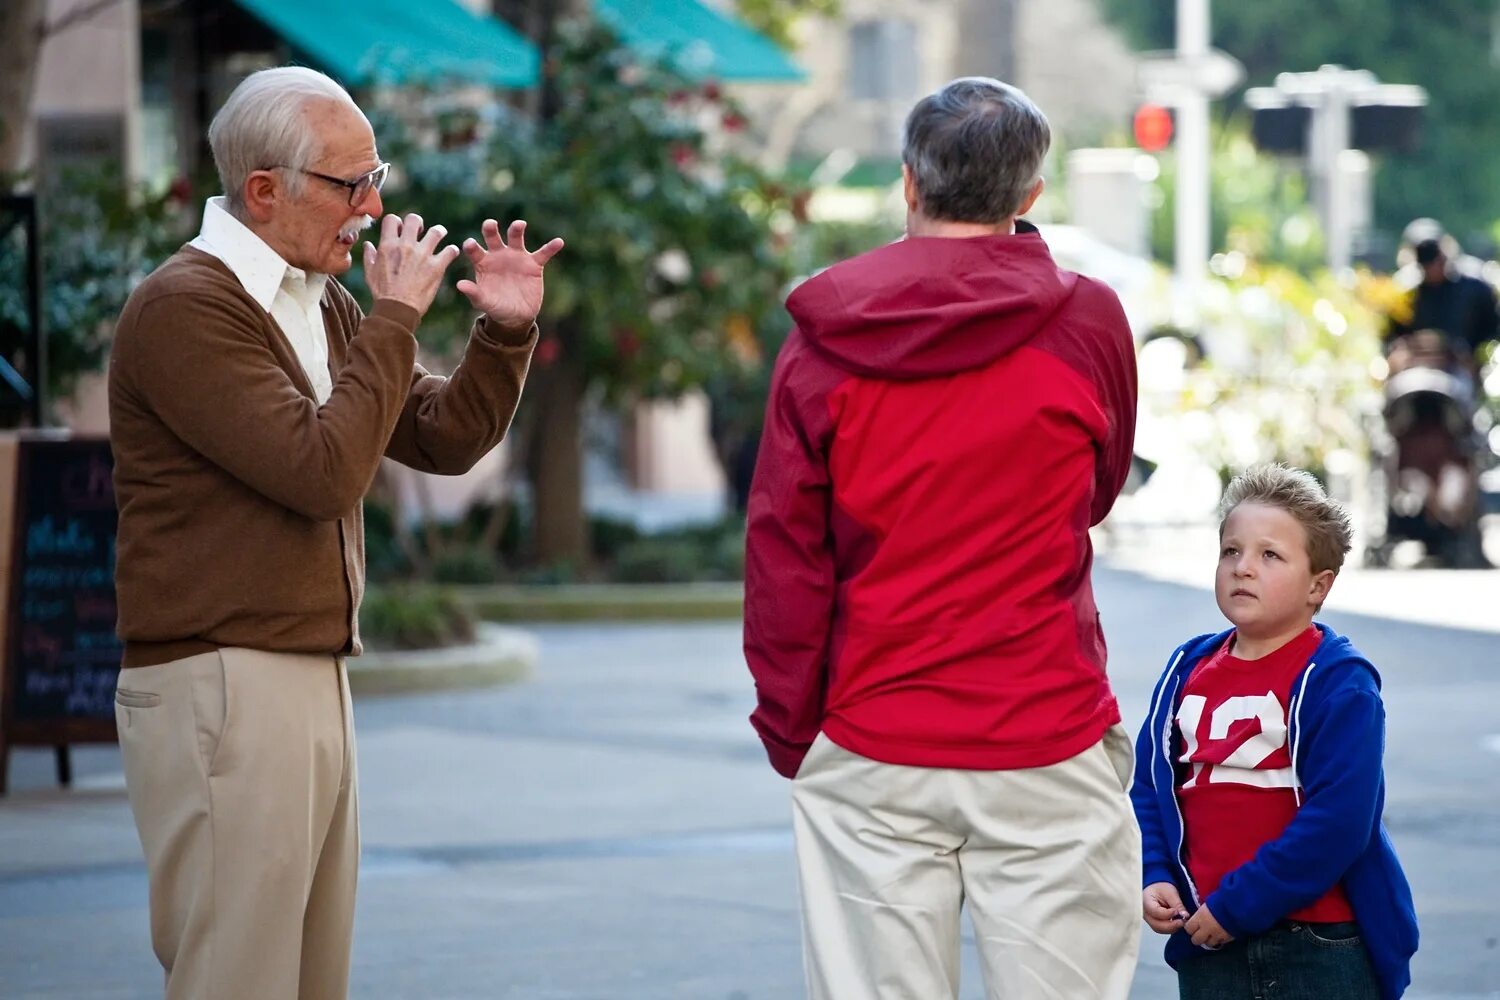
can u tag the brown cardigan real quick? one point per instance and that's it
(240, 497)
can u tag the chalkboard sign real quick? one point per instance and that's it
(62, 656)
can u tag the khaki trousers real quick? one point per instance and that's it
(240, 769)
(1048, 858)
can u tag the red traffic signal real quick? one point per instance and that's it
(1153, 127)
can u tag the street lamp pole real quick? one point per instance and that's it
(1192, 217)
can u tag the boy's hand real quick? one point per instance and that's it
(1162, 907)
(1205, 930)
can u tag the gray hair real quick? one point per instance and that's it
(975, 150)
(261, 125)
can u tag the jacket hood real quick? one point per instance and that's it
(1334, 650)
(927, 306)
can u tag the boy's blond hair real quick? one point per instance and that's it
(1325, 521)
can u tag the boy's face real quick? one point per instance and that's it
(1265, 584)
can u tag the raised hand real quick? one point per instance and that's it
(507, 285)
(407, 266)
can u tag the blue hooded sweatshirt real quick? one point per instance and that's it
(1336, 732)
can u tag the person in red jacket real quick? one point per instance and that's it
(949, 417)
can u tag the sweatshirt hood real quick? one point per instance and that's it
(929, 305)
(1334, 650)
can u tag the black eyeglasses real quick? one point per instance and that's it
(359, 188)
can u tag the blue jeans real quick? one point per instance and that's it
(1291, 961)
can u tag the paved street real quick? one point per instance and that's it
(610, 831)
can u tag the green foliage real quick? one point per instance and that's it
(774, 18)
(657, 561)
(1257, 206)
(623, 553)
(99, 240)
(608, 535)
(384, 559)
(1288, 375)
(403, 617)
(669, 251)
(685, 555)
(467, 564)
(1443, 45)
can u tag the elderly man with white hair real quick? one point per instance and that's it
(251, 401)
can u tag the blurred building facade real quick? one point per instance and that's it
(868, 67)
(138, 80)
(135, 83)
(88, 91)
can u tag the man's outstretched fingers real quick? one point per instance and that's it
(433, 237)
(516, 236)
(548, 251)
(390, 228)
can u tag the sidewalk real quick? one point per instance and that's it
(609, 830)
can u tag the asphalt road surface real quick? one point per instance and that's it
(611, 831)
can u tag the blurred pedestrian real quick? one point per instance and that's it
(1444, 298)
(251, 401)
(949, 417)
(1259, 782)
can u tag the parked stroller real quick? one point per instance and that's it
(1428, 456)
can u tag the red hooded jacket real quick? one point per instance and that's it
(946, 422)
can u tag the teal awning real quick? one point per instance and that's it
(435, 41)
(401, 41)
(701, 41)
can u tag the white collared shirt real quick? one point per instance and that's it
(291, 295)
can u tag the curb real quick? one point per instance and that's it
(605, 602)
(499, 656)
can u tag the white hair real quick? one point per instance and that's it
(261, 125)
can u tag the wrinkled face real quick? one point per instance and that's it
(1265, 584)
(315, 229)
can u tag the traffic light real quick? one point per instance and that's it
(1277, 125)
(1383, 117)
(1153, 126)
(1392, 122)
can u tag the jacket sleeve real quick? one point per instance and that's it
(1156, 853)
(789, 574)
(207, 372)
(1487, 322)
(1341, 758)
(1115, 376)
(448, 424)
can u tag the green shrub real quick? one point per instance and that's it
(689, 554)
(550, 574)
(608, 535)
(476, 525)
(729, 555)
(659, 560)
(384, 559)
(400, 617)
(466, 565)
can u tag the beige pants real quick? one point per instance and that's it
(240, 768)
(1049, 859)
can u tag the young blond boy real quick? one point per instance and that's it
(1259, 784)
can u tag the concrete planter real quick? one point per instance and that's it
(500, 655)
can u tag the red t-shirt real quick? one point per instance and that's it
(1235, 779)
